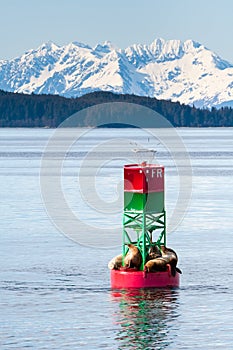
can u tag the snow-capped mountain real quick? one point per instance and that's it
(173, 70)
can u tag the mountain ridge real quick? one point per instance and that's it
(185, 72)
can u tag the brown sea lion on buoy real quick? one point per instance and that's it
(171, 258)
(154, 265)
(133, 258)
(115, 263)
(153, 253)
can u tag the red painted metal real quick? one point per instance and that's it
(129, 278)
(143, 179)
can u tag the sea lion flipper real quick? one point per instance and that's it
(173, 271)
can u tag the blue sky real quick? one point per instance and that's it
(26, 24)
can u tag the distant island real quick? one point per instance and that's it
(24, 110)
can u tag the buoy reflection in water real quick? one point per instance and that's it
(145, 318)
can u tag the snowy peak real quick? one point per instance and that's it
(104, 48)
(79, 44)
(187, 71)
(161, 51)
(44, 49)
(48, 46)
(172, 49)
(166, 50)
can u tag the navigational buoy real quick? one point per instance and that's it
(145, 262)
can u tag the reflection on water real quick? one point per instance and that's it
(145, 318)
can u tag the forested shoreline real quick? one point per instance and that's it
(22, 110)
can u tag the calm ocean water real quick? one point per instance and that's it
(55, 293)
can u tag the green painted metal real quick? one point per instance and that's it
(149, 202)
(150, 229)
(144, 225)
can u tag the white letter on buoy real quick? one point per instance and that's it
(159, 173)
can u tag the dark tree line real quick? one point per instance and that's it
(21, 110)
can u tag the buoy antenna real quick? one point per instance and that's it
(144, 155)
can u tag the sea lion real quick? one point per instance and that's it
(153, 253)
(171, 258)
(115, 263)
(133, 258)
(158, 264)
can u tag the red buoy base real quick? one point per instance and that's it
(129, 278)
